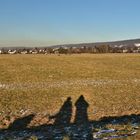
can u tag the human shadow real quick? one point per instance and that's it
(63, 117)
(81, 111)
(61, 120)
(81, 121)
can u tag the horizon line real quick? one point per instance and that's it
(111, 41)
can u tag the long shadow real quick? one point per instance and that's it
(122, 120)
(82, 125)
(81, 111)
(63, 117)
(81, 129)
(61, 120)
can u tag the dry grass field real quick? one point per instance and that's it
(110, 83)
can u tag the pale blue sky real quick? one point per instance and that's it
(49, 22)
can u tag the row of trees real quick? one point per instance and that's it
(98, 49)
(71, 50)
(84, 49)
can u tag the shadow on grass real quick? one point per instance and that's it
(21, 123)
(81, 129)
(64, 115)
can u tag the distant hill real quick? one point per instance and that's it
(130, 42)
(126, 43)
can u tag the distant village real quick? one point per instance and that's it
(135, 48)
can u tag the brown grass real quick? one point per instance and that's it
(109, 83)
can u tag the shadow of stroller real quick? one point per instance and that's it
(21, 123)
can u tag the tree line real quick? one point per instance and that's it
(74, 50)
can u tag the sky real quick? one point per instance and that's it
(51, 22)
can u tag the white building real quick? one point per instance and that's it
(137, 44)
(12, 52)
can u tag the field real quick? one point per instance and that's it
(110, 83)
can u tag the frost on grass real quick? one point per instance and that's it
(67, 83)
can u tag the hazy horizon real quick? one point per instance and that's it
(52, 22)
